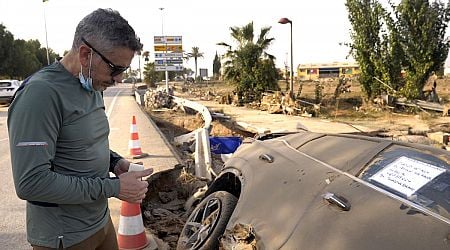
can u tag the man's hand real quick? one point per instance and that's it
(121, 167)
(132, 188)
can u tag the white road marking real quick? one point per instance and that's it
(110, 108)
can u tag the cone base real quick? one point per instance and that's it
(142, 155)
(132, 242)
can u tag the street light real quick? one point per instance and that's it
(46, 40)
(285, 20)
(165, 42)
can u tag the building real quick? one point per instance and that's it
(314, 72)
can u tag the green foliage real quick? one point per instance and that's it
(422, 28)
(216, 66)
(411, 39)
(365, 15)
(151, 76)
(195, 53)
(20, 58)
(6, 43)
(249, 67)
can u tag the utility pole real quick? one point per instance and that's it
(45, 25)
(165, 43)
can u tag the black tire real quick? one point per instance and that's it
(208, 219)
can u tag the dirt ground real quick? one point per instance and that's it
(348, 109)
(164, 209)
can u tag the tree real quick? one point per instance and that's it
(216, 66)
(25, 59)
(249, 67)
(410, 39)
(6, 43)
(195, 53)
(422, 28)
(365, 16)
(151, 76)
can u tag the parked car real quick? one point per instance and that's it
(190, 79)
(7, 90)
(178, 78)
(325, 191)
(130, 80)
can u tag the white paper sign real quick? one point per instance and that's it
(407, 175)
(135, 167)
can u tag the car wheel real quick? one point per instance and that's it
(207, 222)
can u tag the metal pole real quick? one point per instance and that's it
(46, 40)
(291, 86)
(140, 75)
(165, 43)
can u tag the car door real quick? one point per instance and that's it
(361, 214)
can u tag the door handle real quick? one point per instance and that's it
(266, 157)
(337, 200)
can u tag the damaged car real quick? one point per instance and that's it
(325, 191)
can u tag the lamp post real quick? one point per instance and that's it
(46, 40)
(285, 20)
(165, 43)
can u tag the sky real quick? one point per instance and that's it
(318, 26)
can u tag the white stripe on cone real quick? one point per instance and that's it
(133, 128)
(131, 225)
(134, 144)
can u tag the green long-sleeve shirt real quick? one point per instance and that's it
(60, 158)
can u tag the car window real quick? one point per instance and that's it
(5, 84)
(419, 177)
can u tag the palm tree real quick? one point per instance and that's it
(249, 66)
(195, 53)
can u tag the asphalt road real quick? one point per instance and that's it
(12, 209)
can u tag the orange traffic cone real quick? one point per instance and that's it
(134, 145)
(131, 233)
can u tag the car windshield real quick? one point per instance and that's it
(418, 177)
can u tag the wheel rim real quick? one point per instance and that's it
(200, 224)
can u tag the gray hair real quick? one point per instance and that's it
(106, 29)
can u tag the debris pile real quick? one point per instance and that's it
(164, 206)
(242, 237)
(155, 99)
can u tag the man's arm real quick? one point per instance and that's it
(34, 122)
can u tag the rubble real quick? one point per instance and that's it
(241, 237)
(163, 207)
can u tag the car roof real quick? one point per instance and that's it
(350, 153)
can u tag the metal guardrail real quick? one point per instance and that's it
(204, 112)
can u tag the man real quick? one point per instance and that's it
(429, 89)
(58, 134)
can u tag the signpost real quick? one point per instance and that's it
(168, 54)
(167, 40)
(171, 48)
(168, 68)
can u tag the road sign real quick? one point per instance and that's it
(169, 55)
(167, 40)
(173, 48)
(169, 68)
(169, 62)
(203, 72)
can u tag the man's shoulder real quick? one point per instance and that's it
(50, 77)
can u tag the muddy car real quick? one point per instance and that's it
(322, 191)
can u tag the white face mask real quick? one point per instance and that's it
(86, 83)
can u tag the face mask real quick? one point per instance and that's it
(86, 82)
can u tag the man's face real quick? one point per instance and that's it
(103, 75)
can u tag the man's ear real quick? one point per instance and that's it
(84, 54)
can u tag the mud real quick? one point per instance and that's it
(164, 209)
